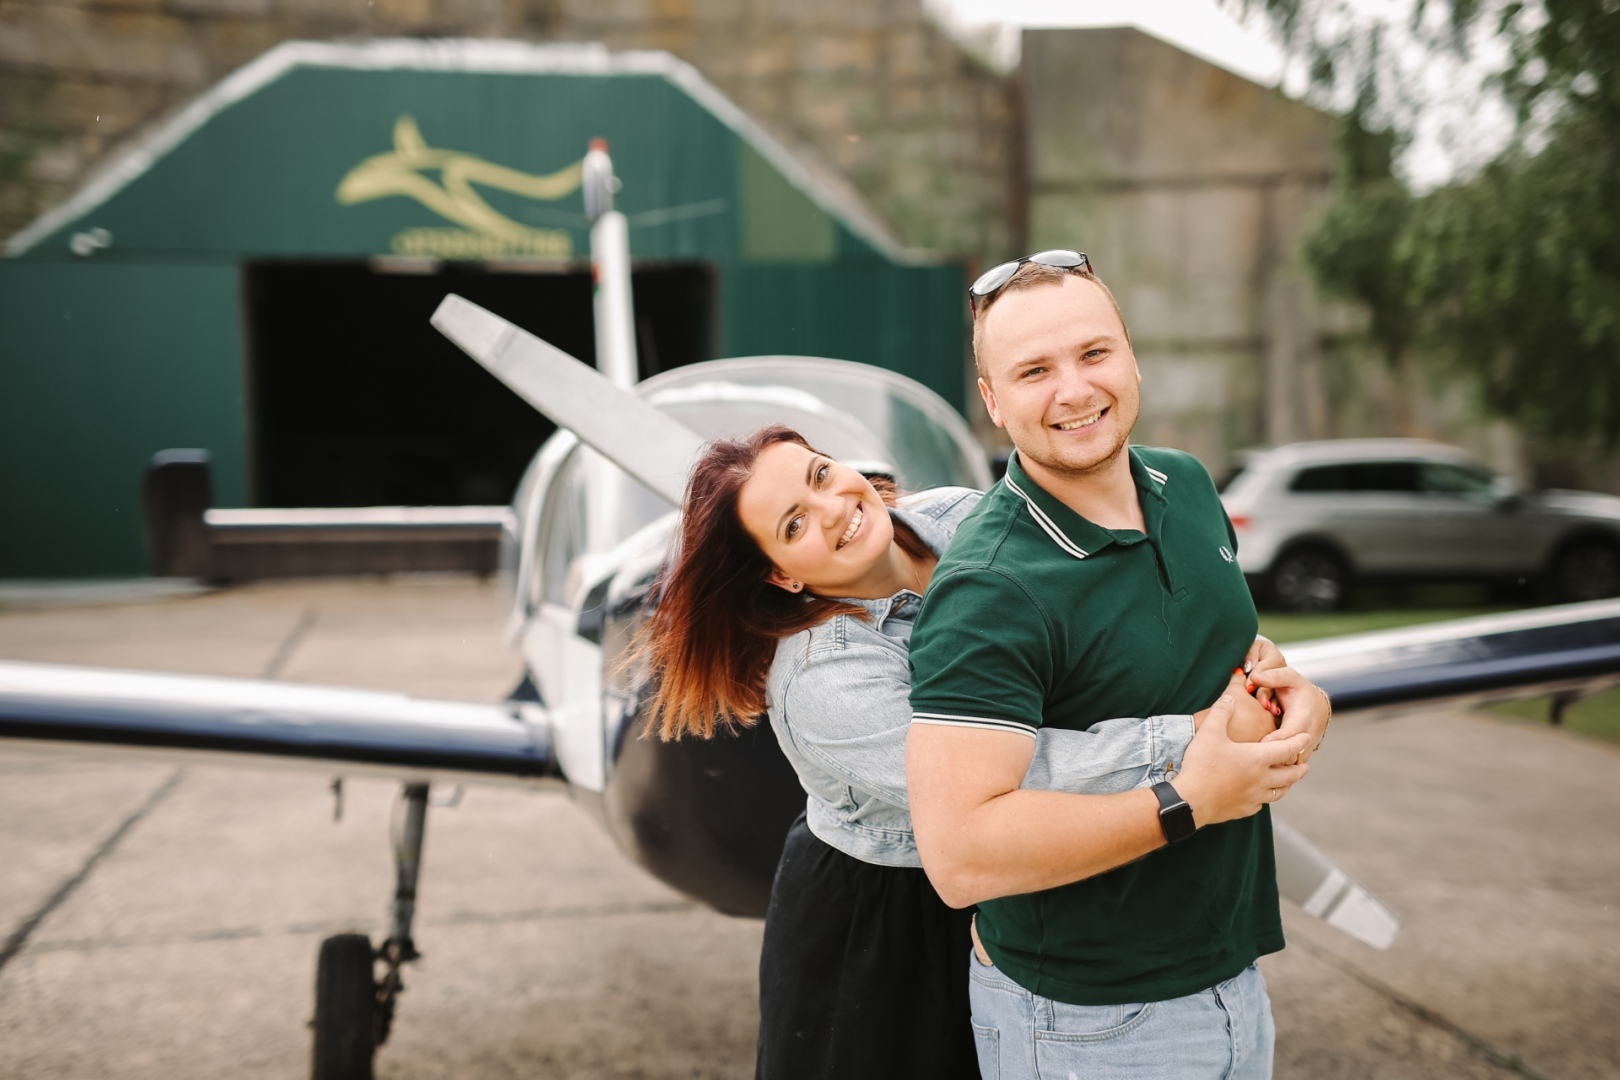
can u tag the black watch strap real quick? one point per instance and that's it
(1175, 816)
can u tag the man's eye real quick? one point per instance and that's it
(1033, 371)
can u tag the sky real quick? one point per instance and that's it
(1456, 130)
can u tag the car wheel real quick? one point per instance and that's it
(1309, 579)
(1587, 570)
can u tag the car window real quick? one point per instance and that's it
(1358, 476)
(1443, 478)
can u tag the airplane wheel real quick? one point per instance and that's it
(345, 1009)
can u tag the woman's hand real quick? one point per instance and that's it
(1263, 656)
(1305, 707)
(1251, 720)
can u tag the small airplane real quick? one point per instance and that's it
(595, 515)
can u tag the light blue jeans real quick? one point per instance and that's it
(1223, 1033)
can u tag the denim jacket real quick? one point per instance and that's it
(839, 697)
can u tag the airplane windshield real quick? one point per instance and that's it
(866, 416)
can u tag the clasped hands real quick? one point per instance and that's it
(1253, 744)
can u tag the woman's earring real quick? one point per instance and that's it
(797, 586)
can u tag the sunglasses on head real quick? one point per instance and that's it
(997, 276)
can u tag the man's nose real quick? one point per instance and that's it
(1074, 384)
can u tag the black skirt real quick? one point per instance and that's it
(863, 972)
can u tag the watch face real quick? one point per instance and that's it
(1177, 822)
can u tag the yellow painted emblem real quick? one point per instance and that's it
(485, 232)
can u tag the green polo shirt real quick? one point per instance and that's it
(1037, 617)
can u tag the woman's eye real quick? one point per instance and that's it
(793, 527)
(821, 474)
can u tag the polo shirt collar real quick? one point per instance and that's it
(1074, 534)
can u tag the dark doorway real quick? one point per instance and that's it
(356, 401)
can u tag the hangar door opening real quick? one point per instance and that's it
(355, 400)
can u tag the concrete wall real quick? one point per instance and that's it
(1191, 189)
(869, 89)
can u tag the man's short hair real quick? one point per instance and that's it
(1029, 276)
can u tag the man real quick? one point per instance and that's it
(1116, 935)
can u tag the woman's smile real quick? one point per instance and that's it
(853, 527)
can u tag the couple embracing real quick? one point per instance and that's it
(1048, 702)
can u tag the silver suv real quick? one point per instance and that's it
(1313, 518)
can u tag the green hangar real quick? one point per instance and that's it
(255, 277)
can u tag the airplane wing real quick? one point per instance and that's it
(412, 737)
(1573, 648)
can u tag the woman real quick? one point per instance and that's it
(793, 594)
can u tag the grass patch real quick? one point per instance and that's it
(1597, 716)
(1282, 627)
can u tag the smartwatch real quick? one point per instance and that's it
(1175, 816)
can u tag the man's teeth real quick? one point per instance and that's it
(1084, 421)
(854, 525)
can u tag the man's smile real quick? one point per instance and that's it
(1082, 422)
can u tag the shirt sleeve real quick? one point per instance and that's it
(1110, 757)
(981, 654)
(848, 713)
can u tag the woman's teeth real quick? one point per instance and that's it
(1084, 421)
(854, 526)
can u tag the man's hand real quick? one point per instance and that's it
(1305, 708)
(1223, 780)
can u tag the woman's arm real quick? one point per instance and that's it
(849, 712)
(1126, 753)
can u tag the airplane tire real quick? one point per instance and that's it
(345, 1009)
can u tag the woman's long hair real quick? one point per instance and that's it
(713, 634)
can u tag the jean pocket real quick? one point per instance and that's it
(987, 1040)
(1093, 1023)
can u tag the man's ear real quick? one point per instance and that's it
(989, 396)
(782, 581)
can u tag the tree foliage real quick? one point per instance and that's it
(1512, 273)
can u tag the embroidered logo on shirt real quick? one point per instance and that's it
(1226, 553)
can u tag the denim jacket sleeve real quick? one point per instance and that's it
(849, 713)
(1109, 757)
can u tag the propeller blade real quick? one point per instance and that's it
(652, 447)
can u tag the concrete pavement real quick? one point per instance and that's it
(187, 948)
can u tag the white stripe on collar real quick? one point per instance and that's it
(1156, 474)
(1047, 523)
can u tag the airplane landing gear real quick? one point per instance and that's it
(354, 1009)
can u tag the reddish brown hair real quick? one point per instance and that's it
(713, 634)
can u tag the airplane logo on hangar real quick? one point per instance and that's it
(485, 232)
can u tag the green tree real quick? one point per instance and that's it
(1513, 274)
(1353, 249)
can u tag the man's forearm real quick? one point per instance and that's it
(981, 837)
(1026, 841)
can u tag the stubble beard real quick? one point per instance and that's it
(1072, 470)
